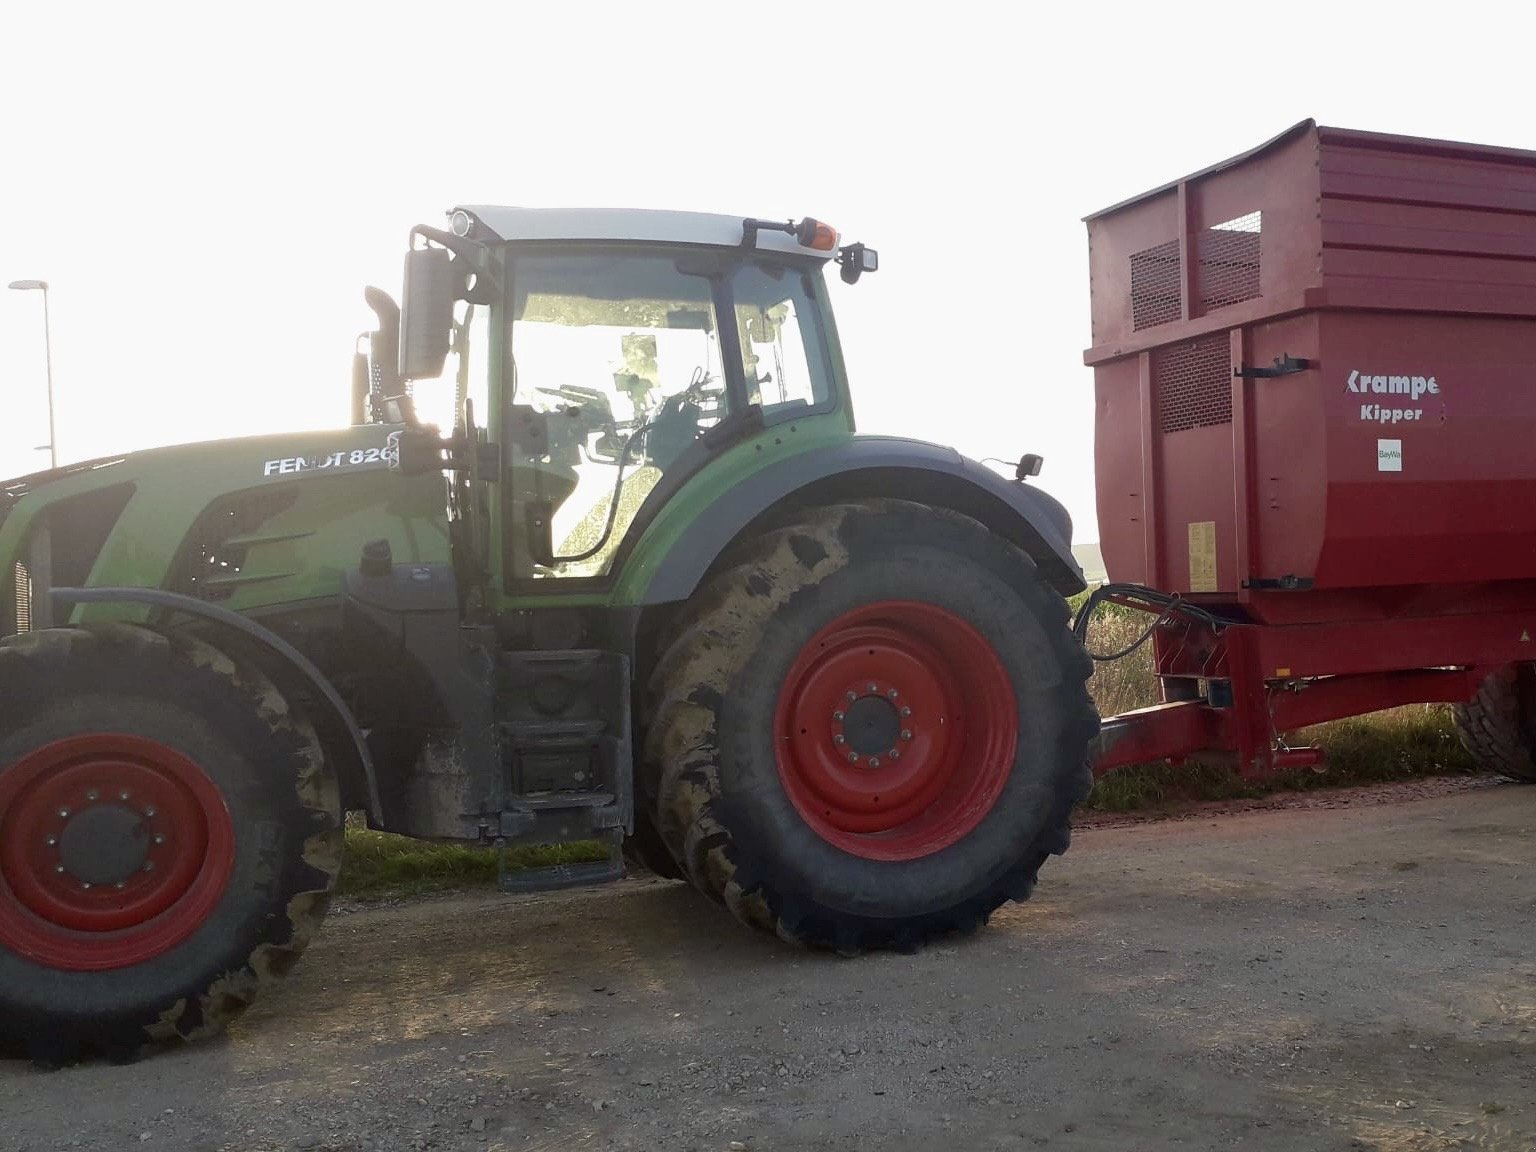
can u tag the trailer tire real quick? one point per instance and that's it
(1498, 725)
(200, 855)
(745, 743)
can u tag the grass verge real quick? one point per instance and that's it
(1404, 744)
(377, 863)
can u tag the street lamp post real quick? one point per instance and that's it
(42, 286)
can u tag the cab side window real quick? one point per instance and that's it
(784, 352)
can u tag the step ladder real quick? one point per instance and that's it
(563, 727)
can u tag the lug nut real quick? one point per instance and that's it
(93, 795)
(906, 711)
(123, 795)
(60, 869)
(159, 838)
(895, 753)
(149, 813)
(839, 738)
(52, 841)
(86, 884)
(892, 693)
(852, 696)
(120, 885)
(838, 716)
(853, 757)
(906, 733)
(63, 813)
(149, 865)
(874, 761)
(873, 687)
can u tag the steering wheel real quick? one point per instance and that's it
(704, 390)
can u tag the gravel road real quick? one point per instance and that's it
(1336, 972)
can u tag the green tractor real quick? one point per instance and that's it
(648, 590)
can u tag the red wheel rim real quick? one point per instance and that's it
(113, 850)
(896, 729)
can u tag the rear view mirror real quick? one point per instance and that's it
(426, 313)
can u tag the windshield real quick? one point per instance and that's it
(622, 350)
(632, 353)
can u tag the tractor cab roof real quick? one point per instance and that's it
(620, 224)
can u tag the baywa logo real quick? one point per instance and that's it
(1411, 387)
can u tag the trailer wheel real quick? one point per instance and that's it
(170, 834)
(872, 729)
(1498, 725)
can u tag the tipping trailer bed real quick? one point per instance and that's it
(1315, 377)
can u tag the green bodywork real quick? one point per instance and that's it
(323, 517)
(733, 468)
(298, 555)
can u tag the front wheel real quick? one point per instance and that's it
(170, 834)
(871, 729)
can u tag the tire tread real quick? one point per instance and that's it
(679, 759)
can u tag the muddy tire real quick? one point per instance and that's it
(170, 834)
(646, 850)
(871, 728)
(1498, 726)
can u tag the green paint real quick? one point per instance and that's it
(718, 477)
(295, 555)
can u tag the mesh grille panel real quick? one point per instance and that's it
(23, 599)
(1155, 290)
(1193, 383)
(1229, 262)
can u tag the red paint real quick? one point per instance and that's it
(1354, 587)
(955, 742)
(53, 918)
(1380, 255)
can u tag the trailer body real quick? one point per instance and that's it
(1314, 368)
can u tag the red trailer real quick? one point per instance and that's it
(1315, 377)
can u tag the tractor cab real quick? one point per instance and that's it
(608, 356)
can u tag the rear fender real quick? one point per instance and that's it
(864, 468)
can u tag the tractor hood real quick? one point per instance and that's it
(131, 518)
(237, 462)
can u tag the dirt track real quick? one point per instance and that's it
(1358, 972)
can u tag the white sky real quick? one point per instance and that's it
(208, 187)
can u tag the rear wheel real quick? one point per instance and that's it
(645, 849)
(872, 728)
(1498, 725)
(169, 837)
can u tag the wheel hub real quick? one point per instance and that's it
(871, 725)
(104, 844)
